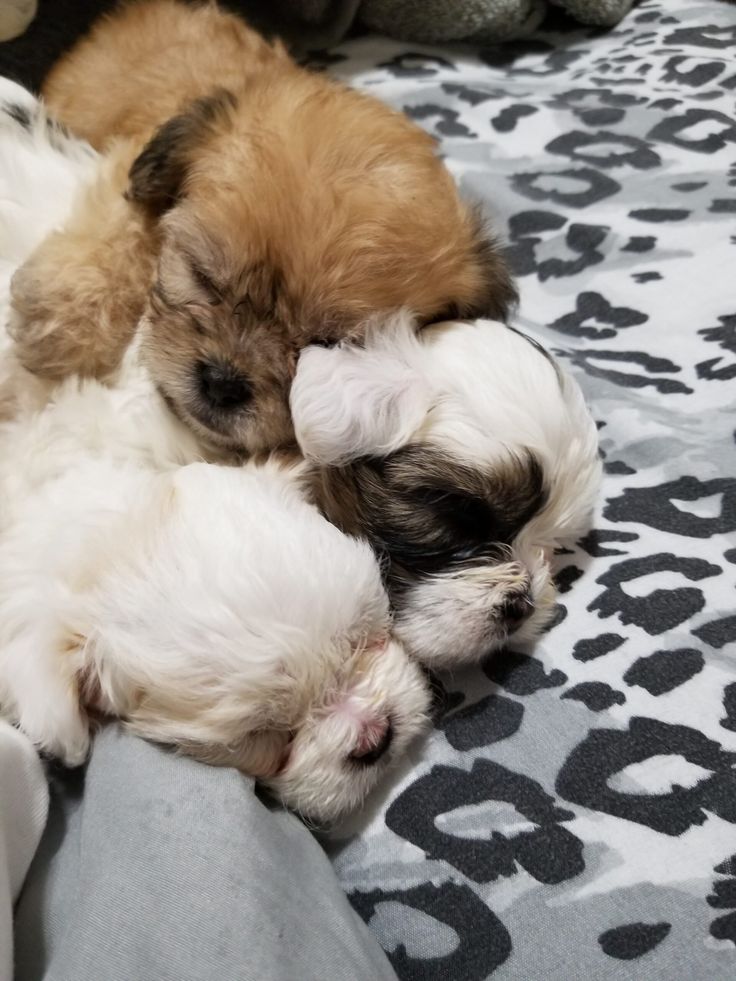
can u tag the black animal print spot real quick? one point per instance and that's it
(583, 98)
(653, 506)
(640, 243)
(558, 615)
(723, 206)
(483, 942)
(565, 578)
(527, 230)
(659, 214)
(718, 633)
(605, 149)
(702, 73)
(576, 188)
(646, 277)
(521, 674)
(605, 116)
(413, 64)
(724, 928)
(593, 307)
(724, 897)
(661, 609)
(688, 186)
(729, 704)
(581, 241)
(704, 36)
(592, 543)
(595, 695)
(633, 940)
(471, 95)
(593, 647)
(710, 371)
(530, 831)
(673, 129)
(507, 119)
(447, 124)
(617, 467)
(664, 671)
(487, 721)
(506, 56)
(730, 555)
(725, 337)
(667, 386)
(585, 776)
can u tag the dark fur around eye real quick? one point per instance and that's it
(214, 295)
(470, 517)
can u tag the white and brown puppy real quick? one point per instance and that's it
(465, 455)
(210, 607)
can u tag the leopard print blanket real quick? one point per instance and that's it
(574, 813)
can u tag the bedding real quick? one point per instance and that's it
(574, 813)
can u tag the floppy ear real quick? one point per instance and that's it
(498, 294)
(158, 173)
(348, 401)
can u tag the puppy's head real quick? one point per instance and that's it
(291, 212)
(243, 628)
(466, 471)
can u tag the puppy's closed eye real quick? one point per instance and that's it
(210, 290)
(471, 518)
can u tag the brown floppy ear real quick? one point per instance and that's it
(158, 173)
(498, 295)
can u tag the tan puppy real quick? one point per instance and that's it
(268, 208)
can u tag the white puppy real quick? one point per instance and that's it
(465, 454)
(209, 607)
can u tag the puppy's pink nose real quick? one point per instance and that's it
(374, 739)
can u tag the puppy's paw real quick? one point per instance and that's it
(65, 317)
(57, 725)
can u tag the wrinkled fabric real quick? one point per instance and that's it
(155, 867)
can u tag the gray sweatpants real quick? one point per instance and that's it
(157, 868)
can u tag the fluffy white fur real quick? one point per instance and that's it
(479, 394)
(210, 607)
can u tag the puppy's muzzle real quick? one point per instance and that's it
(373, 743)
(222, 387)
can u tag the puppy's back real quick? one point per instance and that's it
(139, 65)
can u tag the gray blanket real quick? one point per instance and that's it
(313, 24)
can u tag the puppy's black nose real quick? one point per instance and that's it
(515, 610)
(222, 386)
(372, 754)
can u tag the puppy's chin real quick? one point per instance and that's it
(227, 435)
(456, 618)
(241, 433)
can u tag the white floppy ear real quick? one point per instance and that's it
(348, 401)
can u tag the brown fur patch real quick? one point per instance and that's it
(427, 512)
(81, 294)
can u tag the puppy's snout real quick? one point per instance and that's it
(515, 610)
(222, 386)
(373, 742)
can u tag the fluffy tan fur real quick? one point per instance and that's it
(283, 208)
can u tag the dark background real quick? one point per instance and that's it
(59, 23)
